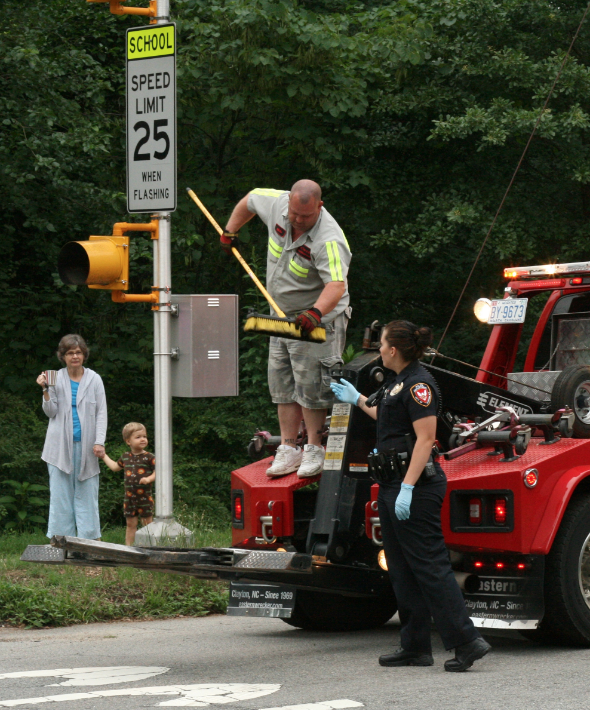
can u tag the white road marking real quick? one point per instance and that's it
(106, 675)
(199, 695)
(324, 705)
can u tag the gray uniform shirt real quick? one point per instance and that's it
(296, 272)
(91, 404)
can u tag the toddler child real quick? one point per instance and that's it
(140, 472)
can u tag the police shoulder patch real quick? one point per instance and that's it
(422, 393)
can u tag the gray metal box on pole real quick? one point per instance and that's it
(206, 335)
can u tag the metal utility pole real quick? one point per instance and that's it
(164, 530)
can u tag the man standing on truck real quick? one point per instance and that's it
(306, 274)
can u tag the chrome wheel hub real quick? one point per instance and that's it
(584, 571)
(582, 402)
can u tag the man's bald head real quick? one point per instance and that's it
(307, 190)
(305, 204)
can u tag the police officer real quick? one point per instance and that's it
(411, 493)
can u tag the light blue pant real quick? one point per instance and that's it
(73, 504)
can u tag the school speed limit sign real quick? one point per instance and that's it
(151, 118)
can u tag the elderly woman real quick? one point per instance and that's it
(77, 411)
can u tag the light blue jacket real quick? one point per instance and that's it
(92, 412)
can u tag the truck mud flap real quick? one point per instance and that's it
(261, 600)
(508, 600)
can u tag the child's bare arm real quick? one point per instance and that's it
(113, 465)
(148, 479)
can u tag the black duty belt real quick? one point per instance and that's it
(390, 466)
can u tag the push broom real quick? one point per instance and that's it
(279, 326)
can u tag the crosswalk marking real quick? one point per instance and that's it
(324, 705)
(105, 675)
(198, 695)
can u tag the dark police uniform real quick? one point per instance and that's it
(417, 557)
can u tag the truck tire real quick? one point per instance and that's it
(320, 611)
(572, 388)
(567, 580)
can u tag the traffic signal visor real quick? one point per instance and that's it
(100, 262)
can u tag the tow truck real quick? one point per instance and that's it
(515, 446)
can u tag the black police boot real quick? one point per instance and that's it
(467, 654)
(406, 658)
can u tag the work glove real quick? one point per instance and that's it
(345, 392)
(308, 320)
(229, 240)
(403, 502)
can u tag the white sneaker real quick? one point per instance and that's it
(312, 463)
(287, 460)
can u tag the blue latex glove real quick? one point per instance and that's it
(403, 501)
(345, 392)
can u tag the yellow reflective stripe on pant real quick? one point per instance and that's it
(267, 192)
(334, 261)
(274, 248)
(298, 270)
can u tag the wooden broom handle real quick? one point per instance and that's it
(237, 254)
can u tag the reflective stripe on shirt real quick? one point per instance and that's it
(334, 261)
(346, 240)
(274, 248)
(267, 192)
(298, 270)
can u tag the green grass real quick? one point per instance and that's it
(35, 595)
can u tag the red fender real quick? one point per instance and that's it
(560, 497)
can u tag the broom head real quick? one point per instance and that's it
(281, 328)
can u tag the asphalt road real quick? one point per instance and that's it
(255, 664)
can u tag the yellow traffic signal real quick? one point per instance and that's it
(101, 262)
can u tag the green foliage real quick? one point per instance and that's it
(110, 597)
(350, 353)
(21, 439)
(24, 505)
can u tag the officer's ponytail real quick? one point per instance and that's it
(410, 340)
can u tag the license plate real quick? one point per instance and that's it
(260, 600)
(508, 310)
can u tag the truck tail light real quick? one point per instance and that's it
(531, 477)
(482, 511)
(237, 509)
(475, 511)
(500, 511)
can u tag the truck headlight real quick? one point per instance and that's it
(482, 309)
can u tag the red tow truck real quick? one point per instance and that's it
(516, 450)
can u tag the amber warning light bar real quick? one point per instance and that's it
(523, 272)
